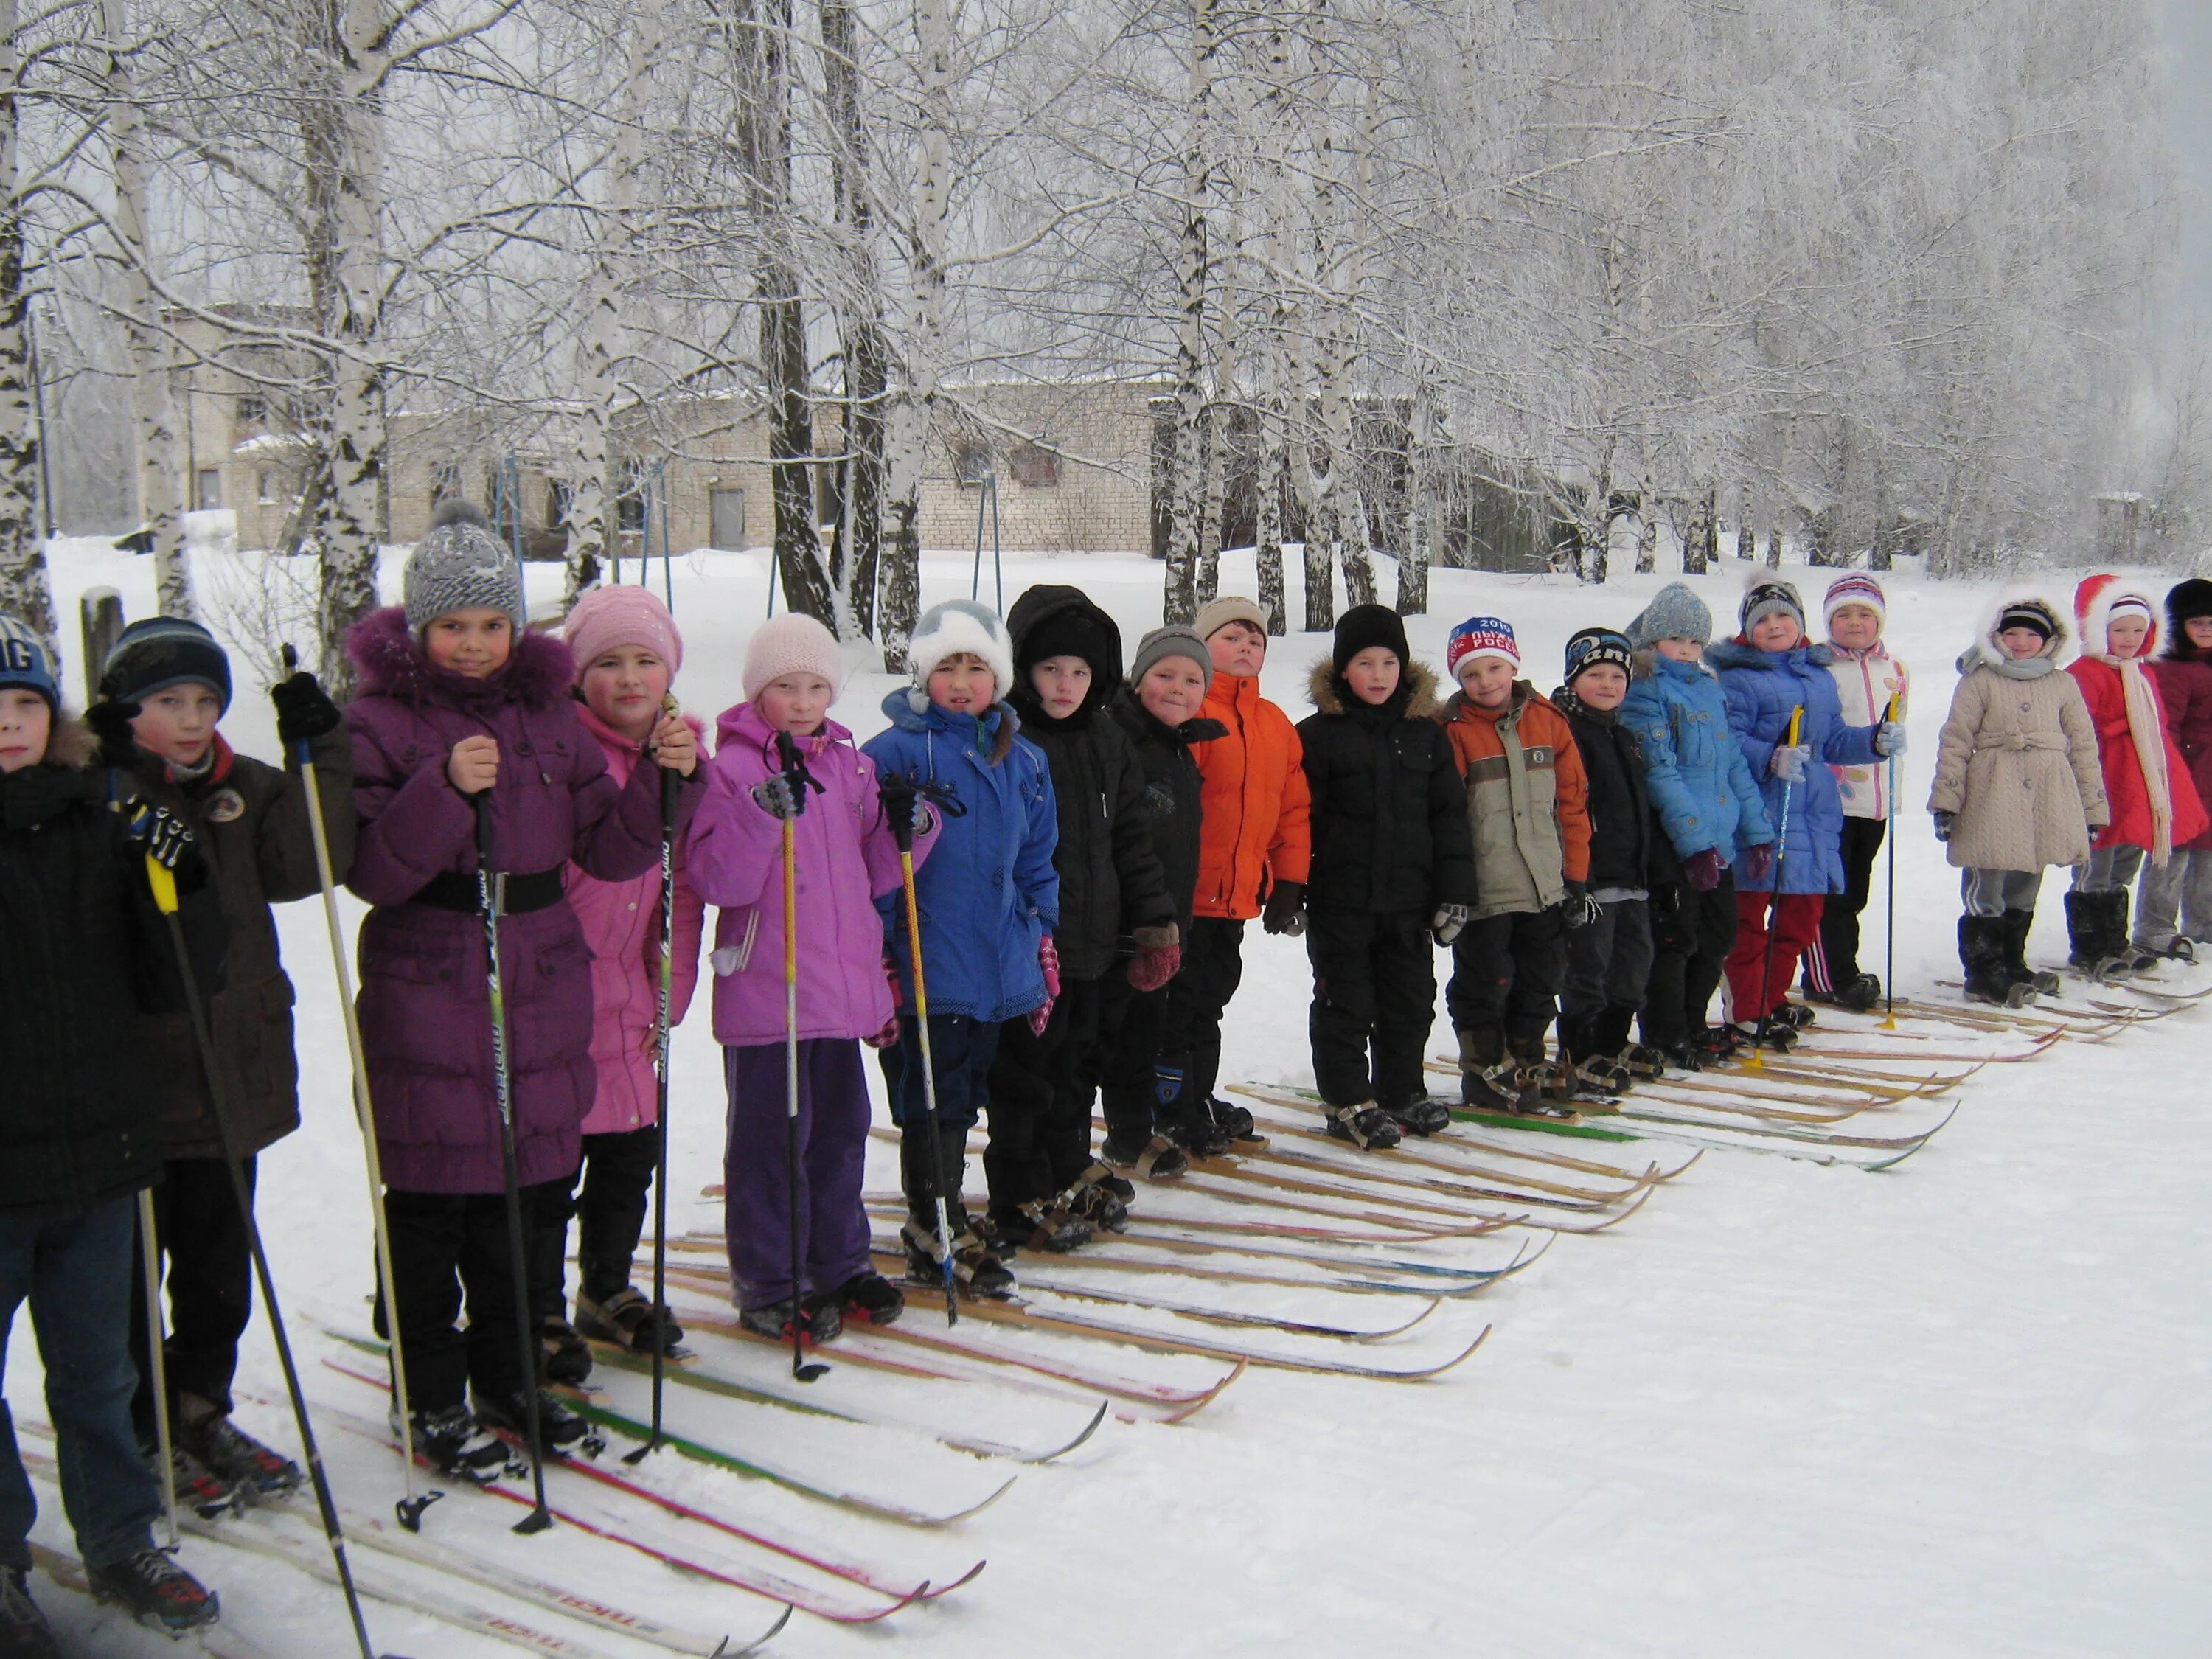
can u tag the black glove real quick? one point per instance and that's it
(304, 710)
(1578, 908)
(1944, 824)
(1285, 911)
(903, 803)
(110, 722)
(169, 841)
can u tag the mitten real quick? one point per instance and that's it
(1285, 911)
(1944, 821)
(1788, 761)
(886, 1038)
(304, 710)
(1578, 908)
(1159, 955)
(1450, 922)
(110, 722)
(1888, 739)
(1047, 959)
(777, 798)
(1757, 863)
(1702, 869)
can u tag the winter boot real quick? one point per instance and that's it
(977, 1269)
(1420, 1114)
(2017, 924)
(199, 1488)
(563, 1431)
(1716, 1045)
(1157, 1159)
(823, 1321)
(454, 1444)
(626, 1320)
(1489, 1080)
(563, 1356)
(1364, 1124)
(870, 1298)
(231, 1455)
(1795, 1015)
(2097, 947)
(1684, 1056)
(1099, 1197)
(157, 1592)
(1038, 1226)
(1775, 1034)
(1982, 952)
(1554, 1089)
(1581, 1064)
(1204, 1128)
(24, 1632)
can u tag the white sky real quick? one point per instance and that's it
(2186, 26)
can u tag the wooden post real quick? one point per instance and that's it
(99, 624)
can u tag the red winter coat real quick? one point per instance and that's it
(2185, 687)
(2124, 789)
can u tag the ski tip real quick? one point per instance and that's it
(1089, 1429)
(726, 1651)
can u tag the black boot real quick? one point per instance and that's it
(2140, 959)
(975, 1266)
(2095, 946)
(1583, 1067)
(156, 1592)
(1982, 952)
(1488, 1078)
(1364, 1124)
(563, 1430)
(563, 1356)
(24, 1632)
(1420, 1114)
(2017, 924)
(1553, 1088)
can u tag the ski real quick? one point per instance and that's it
(1740, 1103)
(1250, 1227)
(1081, 1292)
(1450, 1156)
(1716, 1137)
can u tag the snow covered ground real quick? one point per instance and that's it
(1962, 1407)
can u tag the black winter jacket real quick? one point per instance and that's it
(1110, 876)
(1171, 792)
(1390, 813)
(85, 953)
(1626, 846)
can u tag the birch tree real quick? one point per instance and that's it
(26, 592)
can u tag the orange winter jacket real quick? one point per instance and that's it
(1253, 794)
(1528, 800)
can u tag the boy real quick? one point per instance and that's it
(1871, 683)
(990, 901)
(1528, 801)
(1709, 813)
(1046, 1188)
(81, 1137)
(1391, 864)
(1254, 854)
(250, 822)
(1609, 961)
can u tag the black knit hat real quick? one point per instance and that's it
(1589, 646)
(2030, 614)
(160, 652)
(1367, 625)
(2184, 600)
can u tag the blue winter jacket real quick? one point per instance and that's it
(1695, 772)
(989, 892)
(1762, 688)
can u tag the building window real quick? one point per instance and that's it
(725, 519)
(557, 497)
(971, 460)
(207, 489)
(252, 411)
(629, 506)
(261, 485)
(1036, 466)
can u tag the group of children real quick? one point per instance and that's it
(1027, 893)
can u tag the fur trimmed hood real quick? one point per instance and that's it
(2092, 608)
(1416, 693)
(1986, 653)
(393, 663)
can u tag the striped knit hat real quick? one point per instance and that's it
(1857, 588)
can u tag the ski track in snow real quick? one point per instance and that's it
(1963, 1407)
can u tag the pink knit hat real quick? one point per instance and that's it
(608, 617)
(791, 644)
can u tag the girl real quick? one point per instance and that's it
(2154, 808)
(2017, 786)
(844, 855)
(627, 652)
(82, 1134)
(1767, 673)
(2175, 909)
(462, 713)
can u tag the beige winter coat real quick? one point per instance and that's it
(2017, 761)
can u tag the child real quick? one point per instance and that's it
(1609, 959)
(1769, 673)
(1255, 847)
(989, 900)
(81, 1135)
(1046, 1188)
(2155, 808)
(1710, 812)
(2174, 908)
(627, 652)
(1872, 686)
(1527, 799)
(461, 712)
(249, 821)
(844, 857)
(1158, 710)
(2017, 786)
(1391, 865)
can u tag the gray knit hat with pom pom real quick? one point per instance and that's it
(459, 565)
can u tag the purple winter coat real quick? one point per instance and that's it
(844, 856)
(425, 1018)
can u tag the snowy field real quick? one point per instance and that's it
(1963, 1407)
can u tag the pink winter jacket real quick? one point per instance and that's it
(844, 856)
(621, 924)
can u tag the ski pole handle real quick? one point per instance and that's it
(481, 803)
(163, 881)
(1797, 720)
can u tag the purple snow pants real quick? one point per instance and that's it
(833, 1144)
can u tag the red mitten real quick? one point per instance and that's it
(1153, 966)
(886, 1038)
(1049, 959)
(890, 974)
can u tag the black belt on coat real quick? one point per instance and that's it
(526, 890)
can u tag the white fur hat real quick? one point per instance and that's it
(958, 625)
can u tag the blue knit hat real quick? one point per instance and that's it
(1592, 645)
(1675, 613)
(160, 652)
(24, 661)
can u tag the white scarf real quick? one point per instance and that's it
(2147, 733)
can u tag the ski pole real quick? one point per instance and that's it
(668, 786)
(149, 1257)
(1889, 944)
(491, 893)
(1757, 1062)
(409, 1509)
(903, 834)
(163, 884)
(795, 769)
